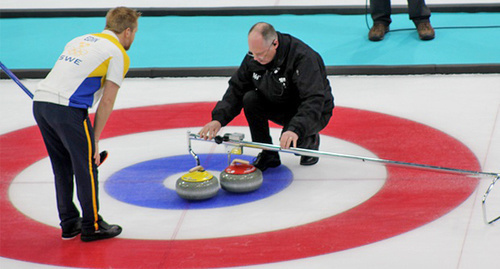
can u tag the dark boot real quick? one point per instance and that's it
(73, 230)
(311, 142)
(267, 159)
(425, 30)
(105, 231)
(378, 31)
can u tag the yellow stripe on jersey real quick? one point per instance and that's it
(101, 71)
(91, 171)
(126, 59)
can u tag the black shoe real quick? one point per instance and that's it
(308, 160)
(105, 231)
(267, 159)
(73, 231)
(103, 156)
(311, 142)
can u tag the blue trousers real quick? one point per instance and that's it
(69, 138)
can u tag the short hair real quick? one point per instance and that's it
(266, 30)
(120, 18)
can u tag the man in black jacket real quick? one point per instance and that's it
(283, 80)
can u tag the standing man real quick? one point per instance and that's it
(417, 10)
(283, 80)
(91, 66)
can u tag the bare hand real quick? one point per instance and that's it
(97, 156)
(210, 130)
(287, 139)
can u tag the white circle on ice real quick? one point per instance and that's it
(317, 192)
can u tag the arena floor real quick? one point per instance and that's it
(338, 213)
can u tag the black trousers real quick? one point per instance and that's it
(381, 11)
(259, 111)
(69, 138)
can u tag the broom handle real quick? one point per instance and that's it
(16, 80)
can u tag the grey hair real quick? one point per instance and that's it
(266, 30)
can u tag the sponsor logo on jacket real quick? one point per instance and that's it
(256, 76)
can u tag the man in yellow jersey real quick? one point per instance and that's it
(91, 68)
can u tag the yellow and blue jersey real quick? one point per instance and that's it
(78, 76)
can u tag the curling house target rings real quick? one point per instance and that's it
(406, 190)
(150, 192)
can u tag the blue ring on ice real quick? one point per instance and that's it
(141, 184)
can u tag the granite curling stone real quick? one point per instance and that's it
(198, 184)
(240, 176)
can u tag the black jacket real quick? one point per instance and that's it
(295, 77)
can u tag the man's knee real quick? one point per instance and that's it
(251, 100)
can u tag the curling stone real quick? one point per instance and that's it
(240, 176)
(198, 184)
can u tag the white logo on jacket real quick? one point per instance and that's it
(256, 76)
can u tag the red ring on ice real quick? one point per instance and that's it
(409, 199)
